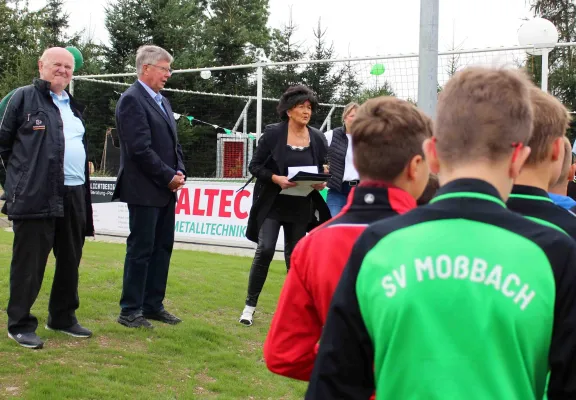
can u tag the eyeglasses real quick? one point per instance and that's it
(167, 70)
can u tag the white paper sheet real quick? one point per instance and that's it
(313, 169)
(303, 188)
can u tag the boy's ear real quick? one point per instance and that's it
(557, 148)
(414, 165)
(431, 155)
(518, 159)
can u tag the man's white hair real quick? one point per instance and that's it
(149, 54)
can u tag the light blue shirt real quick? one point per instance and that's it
(565, 202)
(74, 151)
(156, 96)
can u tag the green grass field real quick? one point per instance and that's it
(208, 356)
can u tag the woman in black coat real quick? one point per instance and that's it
(290, 143)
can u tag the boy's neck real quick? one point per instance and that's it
(536, 176)
(494, 174)
(561, 189)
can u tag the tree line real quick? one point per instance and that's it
(201, 33)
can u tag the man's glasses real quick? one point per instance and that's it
(167, 70)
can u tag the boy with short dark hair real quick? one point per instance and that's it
(387, 145)
(460, 298)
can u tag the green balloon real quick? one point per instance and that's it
(78, 59)
(377, 69)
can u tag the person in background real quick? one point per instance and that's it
(341, 162)
(46, 179)
(290, 143)
(431, 188)
(529, 195)
(559, 191)
(449, 299)
(388, 137)
(151, 172)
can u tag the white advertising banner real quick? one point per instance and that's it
(211, 212)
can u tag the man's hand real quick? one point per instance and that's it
(177, 182)
(319, 186)
(179, 173)
(283, 181)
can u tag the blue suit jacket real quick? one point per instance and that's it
(150, 153)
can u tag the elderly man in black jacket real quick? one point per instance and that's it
(46, 180)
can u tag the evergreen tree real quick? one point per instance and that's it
(351, 85)
(55, 22)
(277, 79)
(323, 78)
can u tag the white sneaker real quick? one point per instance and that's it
(247, 316)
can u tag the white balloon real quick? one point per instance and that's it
(205, 74)
(538, 32)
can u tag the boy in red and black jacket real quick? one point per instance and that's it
(387, 137)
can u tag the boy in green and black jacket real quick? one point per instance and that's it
(544, 165)
(461, 298)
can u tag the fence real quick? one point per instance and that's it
(221, 116)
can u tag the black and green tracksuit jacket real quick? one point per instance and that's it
(535, 204)
(459, 299)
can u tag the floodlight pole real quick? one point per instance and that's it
(428, 57)
(544, 83)
(259, 83)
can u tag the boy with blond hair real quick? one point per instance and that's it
(559, 191)
(543, 167)
(460, 298)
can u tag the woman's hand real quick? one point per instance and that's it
(319, 186)
(283, 181)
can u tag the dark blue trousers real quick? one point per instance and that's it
(148, 251)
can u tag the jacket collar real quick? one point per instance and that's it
(44, 87)
(469, 189)
(529, 193)
(377, 195)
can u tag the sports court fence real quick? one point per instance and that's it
(221, 111)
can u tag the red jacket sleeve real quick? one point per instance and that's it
(289, 349)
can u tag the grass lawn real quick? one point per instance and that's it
(208, 356)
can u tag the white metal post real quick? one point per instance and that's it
(71, 87)
(428, 57)
(259, 79)
(544, 83)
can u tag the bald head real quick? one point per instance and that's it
(56, 66)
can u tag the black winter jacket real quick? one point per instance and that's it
(268, 160)
(32, 155)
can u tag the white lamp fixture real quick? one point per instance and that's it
(543, 35)
(538, 32)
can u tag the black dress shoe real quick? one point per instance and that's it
(164, 316)
(134, 321)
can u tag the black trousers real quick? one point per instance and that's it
(33, 241)
(267, 238)
(148, 251)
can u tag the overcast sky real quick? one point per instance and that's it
(365, 27)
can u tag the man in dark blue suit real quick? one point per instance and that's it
(151, 171)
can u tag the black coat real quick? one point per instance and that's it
(150, 154)
(32, 155)
(268, 160)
